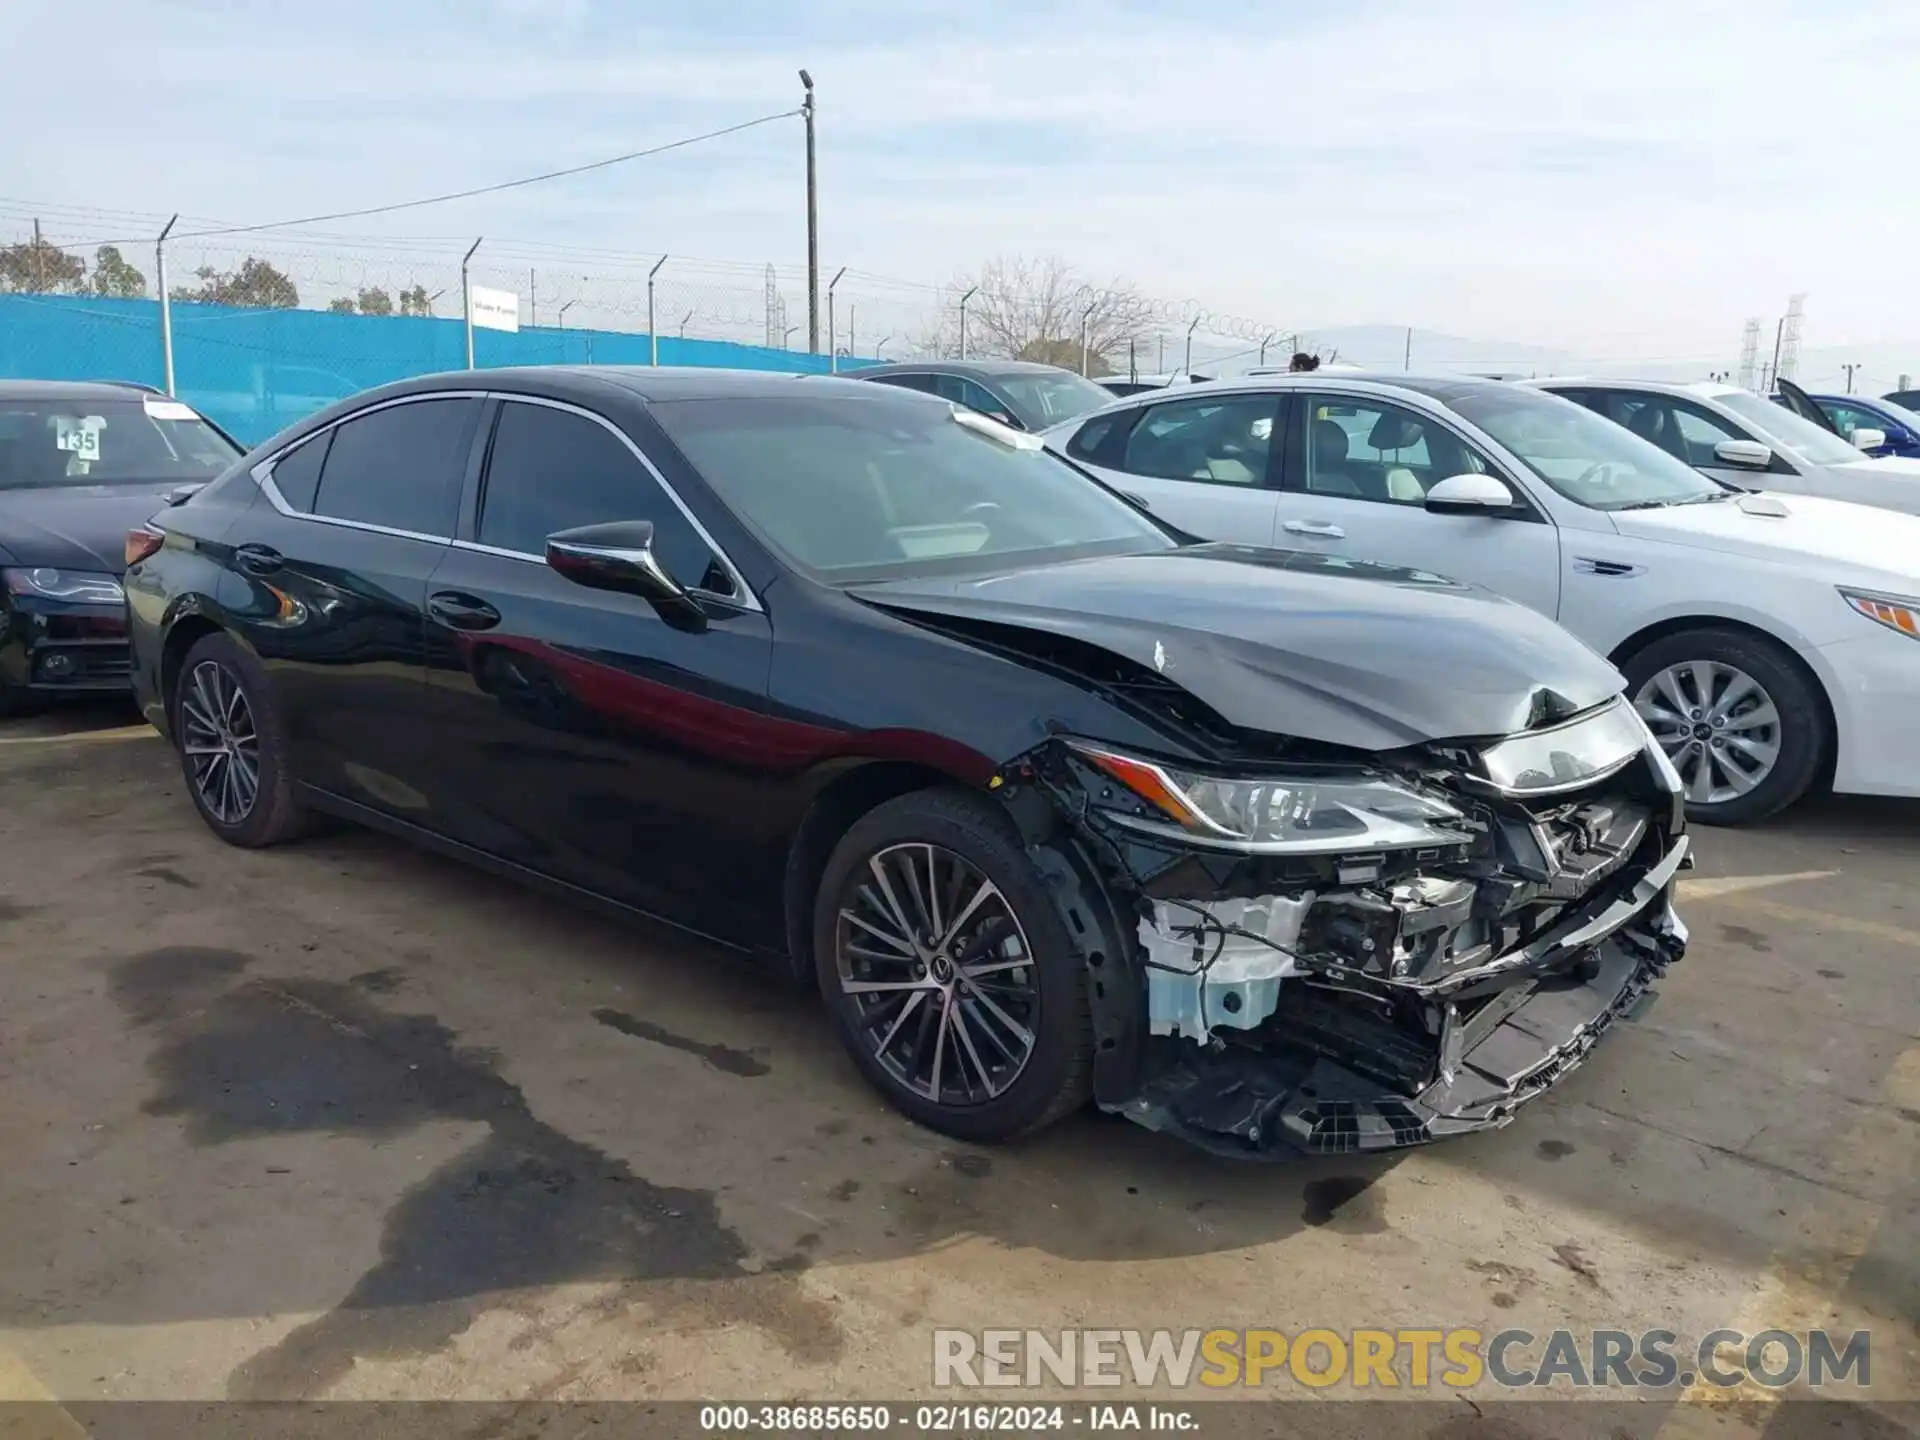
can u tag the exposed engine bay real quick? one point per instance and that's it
(1357, 958)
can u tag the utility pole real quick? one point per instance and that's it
(1407, 362)
(466, 298)
(533, 301)
(1190, 329)
(1086, 323)
(1849, 369)
(166, 306)
(39, 259)
(813, 225)
(1779, 331)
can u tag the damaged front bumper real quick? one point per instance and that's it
(1323, 1000)
(1325, 1083)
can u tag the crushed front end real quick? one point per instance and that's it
(1329, 956)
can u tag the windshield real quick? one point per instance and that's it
(1047, 399)
(49, 443)
(1804, 438)
(853, 489)
(1587, 458)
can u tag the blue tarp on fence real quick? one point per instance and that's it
(255, 371)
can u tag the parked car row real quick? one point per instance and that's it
(1178, 754)
(1274, 849)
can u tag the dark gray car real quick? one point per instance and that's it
(80, 465)
(1017, 392)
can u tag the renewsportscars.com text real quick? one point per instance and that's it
(1414, 1359)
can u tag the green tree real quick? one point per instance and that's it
(256, 284)
(39, 267)
(375, 302)
(342, 305)
(114, 277)
(415, 301)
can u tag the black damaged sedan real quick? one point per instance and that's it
(1278, 851)
(79, 463)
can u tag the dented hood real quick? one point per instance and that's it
(1312, 646)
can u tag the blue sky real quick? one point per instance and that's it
(1622, 179)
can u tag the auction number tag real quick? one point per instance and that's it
(78, 435)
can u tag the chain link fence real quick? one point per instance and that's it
(267, 326)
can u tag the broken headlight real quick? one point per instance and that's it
(1304, 814)
(1566, 757)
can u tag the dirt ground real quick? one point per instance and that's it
(347, 1120)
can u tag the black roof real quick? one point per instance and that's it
(970, 369)
(74, 390)
(1444, 388)
(647, 382)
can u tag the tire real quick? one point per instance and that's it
(951, 830)
(1670, 669)
(271, 814)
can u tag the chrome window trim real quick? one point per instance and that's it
(743, 597)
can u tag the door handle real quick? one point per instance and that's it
(462, 612)
(1323, 529)
(258, 559)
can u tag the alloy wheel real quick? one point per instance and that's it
(939, 974)
(1717, 724)
(218, 737)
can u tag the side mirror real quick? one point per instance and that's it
(1865, 439)
(1004, 418)
(1743, 454)
(1470, 494)
(619, 556)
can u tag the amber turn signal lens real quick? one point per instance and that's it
(1891, 613)
(141, 543)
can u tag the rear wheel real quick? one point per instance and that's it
(1742, 722)
(233, 750)
(948, 971)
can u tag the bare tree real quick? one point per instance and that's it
(1033, 309)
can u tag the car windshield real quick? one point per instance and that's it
(1802, 437)
(45, 444)
(1901, 415)
(1585, 457)
(1047, 399)
(854, 488)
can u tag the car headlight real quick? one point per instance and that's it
(1891, 611)
(1282, 814)
(84, 587)
(1566, 757)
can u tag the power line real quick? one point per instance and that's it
(651, 150)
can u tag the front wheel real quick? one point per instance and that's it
(233, 750)
(1743, 723)
(948, 971)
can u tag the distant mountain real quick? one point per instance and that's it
(1879, 367)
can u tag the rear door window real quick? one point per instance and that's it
(1219, 440)
(400, 468)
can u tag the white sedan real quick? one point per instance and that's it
(1767, 640)
(1748, 440)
